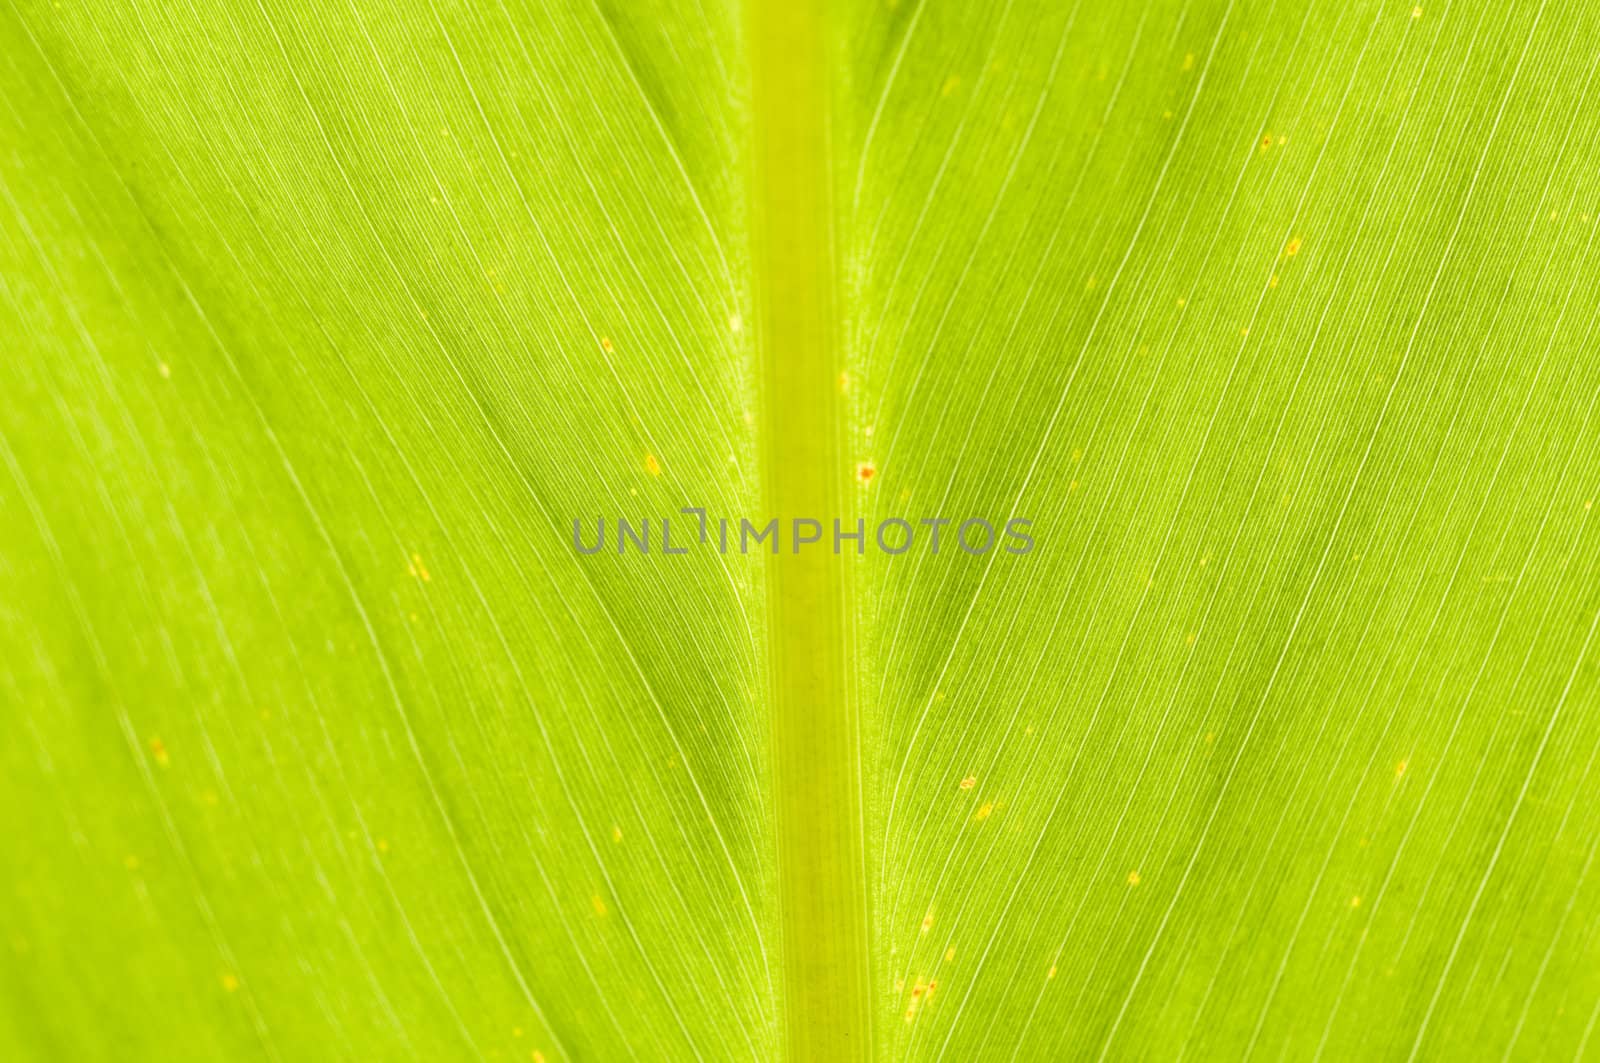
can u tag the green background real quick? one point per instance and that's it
(323, 322)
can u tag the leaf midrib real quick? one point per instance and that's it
(815, 741)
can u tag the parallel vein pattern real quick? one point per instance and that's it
(1276, 318)
(331, 323)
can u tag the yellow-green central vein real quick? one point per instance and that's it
(822, 888)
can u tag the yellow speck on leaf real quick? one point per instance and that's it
(516, 1031)
(165, 370)
(969, 782)
(600, 908)
(616, 834)
(383, 845)
(984, 812)
(950, 954)
(1416, 12)
(1182, 301)
(651, 465)
(735, 324)
(1355, 902)
(418, 569)
(844, 382)
(1400, 769)
(537, 1056)
(130, 862)
(1293, 248)
(605, 344)
(158, 750)
(1188, 61)
(1273, 283)
(927, 922)
(1051, 973)
(230, 983)
(951, 83)
(1133, 878)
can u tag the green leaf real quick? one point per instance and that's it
(327, 322)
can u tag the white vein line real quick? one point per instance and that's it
(883, 98)
(1494, 859)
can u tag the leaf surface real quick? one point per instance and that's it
(1276, 320)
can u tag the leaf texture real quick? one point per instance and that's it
(1276, 319)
